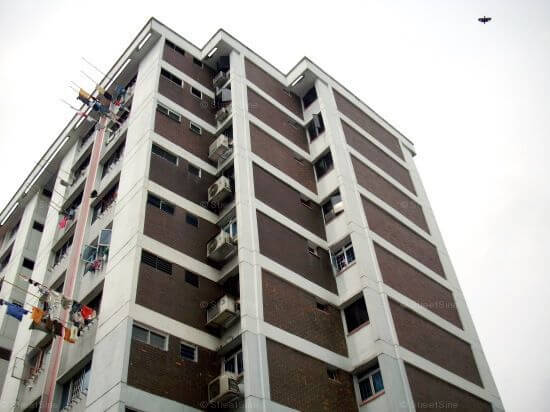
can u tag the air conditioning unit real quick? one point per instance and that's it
(221, 247)
(223, 312)
(223, 114)
(220, 79)
(219, 190)
(224, 388)
(218, 148)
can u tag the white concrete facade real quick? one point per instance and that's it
(107, 345)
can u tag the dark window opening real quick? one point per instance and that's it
(105, 203)
(370, 382)
(322, 306)
(356, 314)
(194, 128)
(309, 97)
(168, 112)
(197, 62)
(164, 154)
(323, 165)
(196, 92)
(172, 46)
(188, 352)
(27, 263)
(192, 278)
(193, 170)
(316, 127)
(38, 226)
(161, 204)
(192, 220)
(165, 73)
(112, 160)
(332, 374)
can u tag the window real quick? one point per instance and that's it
(316, 127)
(62, 251)
(196, 92)
(309, 97)
(168, 112)
(192, 279)
(332, 374)
(175, 79)
(312, 249)
(298, 158)
(193, 170)
(149, 337)
(322, 306)
(81, 169)
(305, 202)
(47, 193)
(332, 207)
(192, 219)
(172, 46)
(105, 203)
(197, 62)
(112, 160)
(38, 226)
(27, 263)
(188, 352)
(323, 165)
(156, 262)
(356, 314)
(76, 387)
(194, 128)
(231, 228)
(161, 204)
(343, 257)
(234, 362)
(370, 383)
(164, 154)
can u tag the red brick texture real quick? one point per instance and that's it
(367, 123)
(433, 343)
(172, 296)
(415, 285)
(187, 239)
(387, 192)
(289, 249)
(386, 226)
(273, 87)
(205, 108)
(286, 201)
(179, 133)
(295, 311)
(378, 157)
(276, 119)
(203, 75)
(431, 394)
(166, 374)
(301, 382)
(178, 179)
(280, 156)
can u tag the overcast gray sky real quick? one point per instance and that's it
(473, 98)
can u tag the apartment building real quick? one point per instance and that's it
(249, 240)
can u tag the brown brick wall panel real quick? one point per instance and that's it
(433, 343)
(280, 156)
(414, 284)
(286, 201)
(205, 108)
(166, 374)
(402, 237)
(301, 382)
(295, 311)
(185, 64)
(172, 296)
(368, 124)
(177, 179)
(180, 134)
(273, 87)
(431, 394)
(187, 239)
(378, 157)
(276, 119)
(289, 249)
(386, 191)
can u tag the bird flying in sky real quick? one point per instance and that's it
(484, 19)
